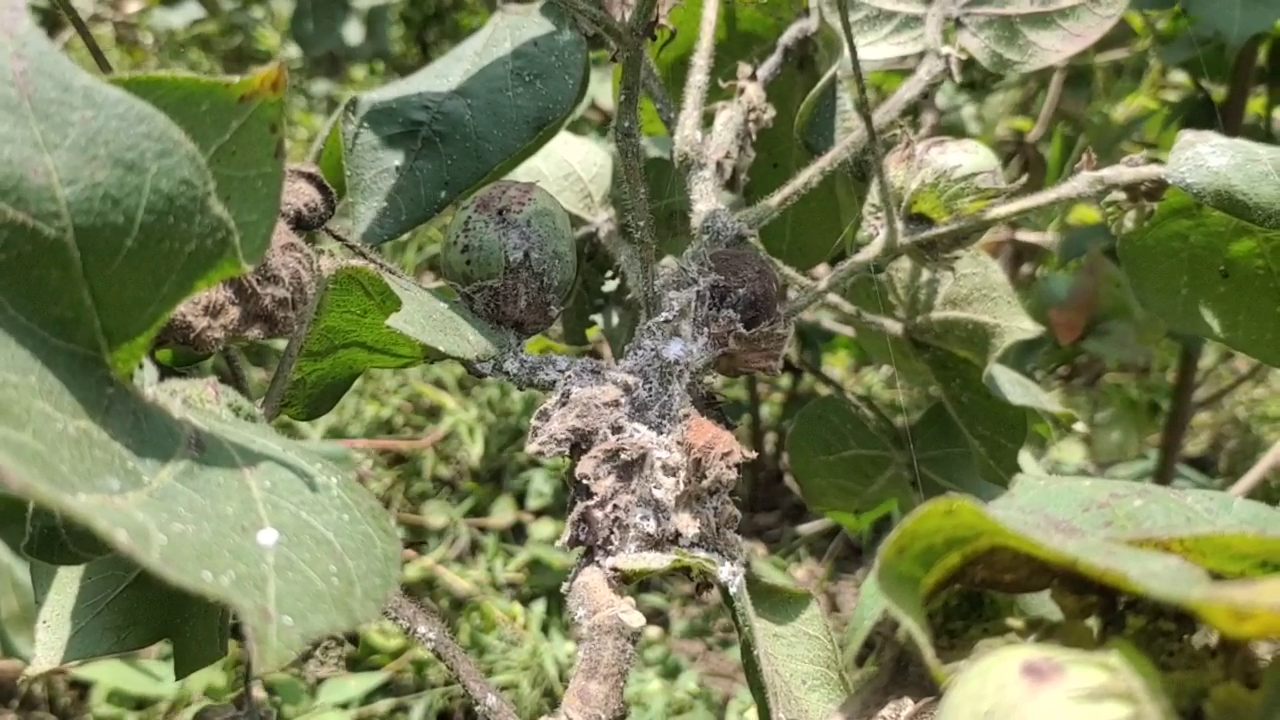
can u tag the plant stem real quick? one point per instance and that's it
(688, 135)
(800, 30)
(1231, 113)
(1256, 474)
(236, 372)
(931, 69)
(607, 627)
(1086, 184)
(863, 106)
(82, 29)
(1180, 411)
(427, 629)
(637, 220)
(289, 358)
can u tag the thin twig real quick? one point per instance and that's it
(657, 92)
(637, 217)
(396, 444)
(1258, 473)
(1236, 383)
(1052, 97)
(427, 629)
(688, 135)
(930, 70)
(236, 371)
(82, 29)
(289, 358)
(369, 256)
(1180, 411)
(863, 106)
(799, 31)
(1086, 184)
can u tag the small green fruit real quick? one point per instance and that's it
(511, 254)
(1039, 680)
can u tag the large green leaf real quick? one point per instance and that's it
(238, 124)
(993, 429)
(111, 606)
(843, 465)
(413, 146)
(220, 508)
(1006, 36)
(807, 232)
(792, 663)
(1234, 20)
(576, 170)
(370, 320)
(103, 235)
(1206, 273)
(1233, 175)
(1143, 540)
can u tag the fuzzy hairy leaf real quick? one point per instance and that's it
(1203, 272)
(576, 170)
(96, 255)
(238, 124)
(791, 659)
(1233, 175)
(369, 320)
(1006, 36)
(413, 146)
(1144, 540)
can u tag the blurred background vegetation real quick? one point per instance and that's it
(480, 518)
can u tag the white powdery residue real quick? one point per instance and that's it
(268, 537)
(731, 576)
(675, 350)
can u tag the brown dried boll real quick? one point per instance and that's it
(511, 254)
(260, 305)
(746, 295)
(307, 202)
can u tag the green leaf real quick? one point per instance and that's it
(413, 146)
(350, 688)
(1005, 36)
(1139, 539)
(576, 170)
(1234, 20)
(111, 606)
(222, 509)
(952, 458)
(842, 464)
(370, 320)
(51, 540)
(1204, 273)
(1232, 175)
(993, 430)
(139, 678)
(98, 253)
(238, 124)
(808, 232)
(791, 660)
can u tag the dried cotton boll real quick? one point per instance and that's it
(511, 254)
(260, 305)
(307, 202)
(746, 301)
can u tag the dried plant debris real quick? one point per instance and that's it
(264, 303)
(307, 203)
(746, 321)
(637, 489)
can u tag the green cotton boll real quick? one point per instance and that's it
(946, 179)
(511, 253)
(1051, 682)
